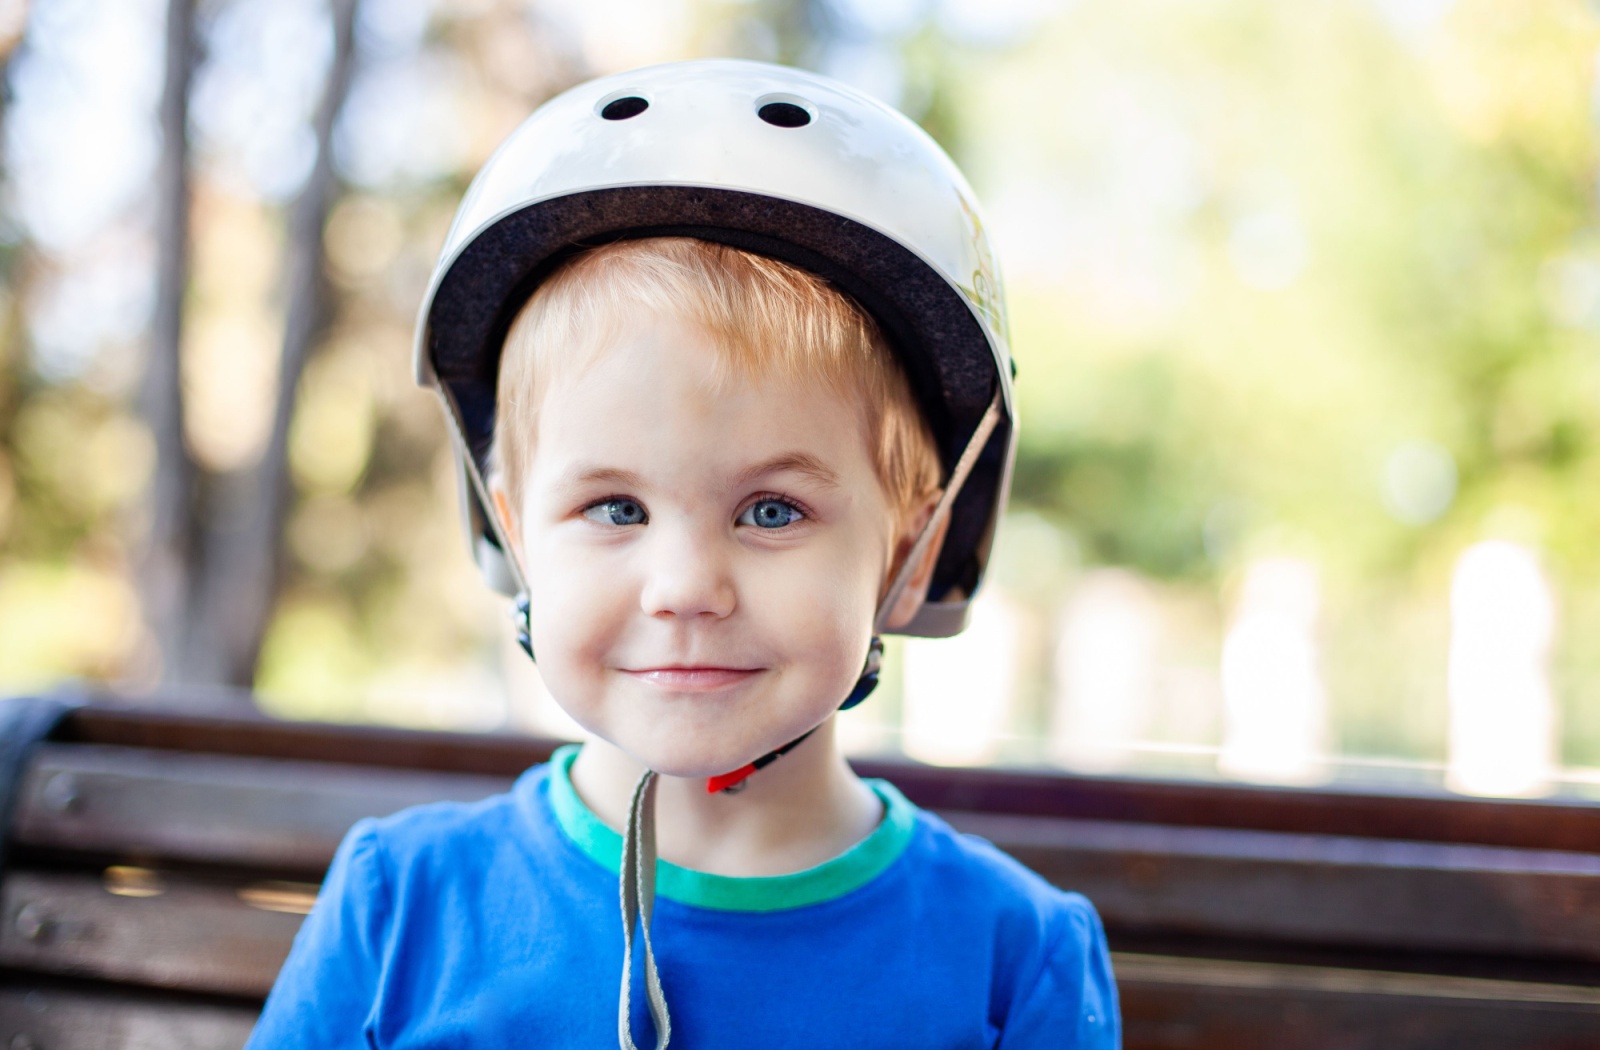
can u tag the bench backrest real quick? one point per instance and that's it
(157, 867)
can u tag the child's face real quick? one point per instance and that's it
(704, 563)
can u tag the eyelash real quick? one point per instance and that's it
(777, 497)
(764, 497)
(586, 508)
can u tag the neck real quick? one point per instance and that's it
(806, 808)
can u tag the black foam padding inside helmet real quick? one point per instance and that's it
(947, 359)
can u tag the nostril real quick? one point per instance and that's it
(784, 115)
(624, 107)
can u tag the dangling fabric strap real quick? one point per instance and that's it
(639, 866)
(638, 904)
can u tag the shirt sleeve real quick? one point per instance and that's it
(325, 993)
(1072, 1002)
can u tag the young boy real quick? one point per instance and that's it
(723, 348)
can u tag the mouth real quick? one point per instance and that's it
(692, 679)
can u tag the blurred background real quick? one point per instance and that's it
(1306, 300)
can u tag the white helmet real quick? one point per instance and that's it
(776, 161)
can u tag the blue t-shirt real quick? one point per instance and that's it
(496, 924)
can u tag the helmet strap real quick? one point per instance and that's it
(478, 491)
(958, 477)
(869, 675)
(734, 782)
(520, 613)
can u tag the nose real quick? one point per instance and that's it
(687, 576)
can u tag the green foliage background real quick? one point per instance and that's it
(1253, 249)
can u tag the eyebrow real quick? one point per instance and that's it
(802, 463)
(799, 462)
(585, 475)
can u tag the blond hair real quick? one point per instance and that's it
(766, 319)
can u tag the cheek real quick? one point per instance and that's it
(822, 610)
(861, 571)
(569, 626)
(572, 620)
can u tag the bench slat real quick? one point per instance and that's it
(1204, 1004)
(221, 809)
(1314, 889)
(1167, 1002)
(1426, 817)
(203, 935)
(52, 1019)
(1227, 885)
(190, 934)
(275, 815)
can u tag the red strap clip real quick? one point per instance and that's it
(728, 780)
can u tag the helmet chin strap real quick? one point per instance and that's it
(734, 782)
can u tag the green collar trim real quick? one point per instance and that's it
(852, 869)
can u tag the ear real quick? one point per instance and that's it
(916, 590)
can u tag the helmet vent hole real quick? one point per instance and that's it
(784, 115)
(624, 107)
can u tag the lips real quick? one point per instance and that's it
(693, 679)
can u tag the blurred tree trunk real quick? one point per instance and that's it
(170, 557)
(242, 545)
(11, 339)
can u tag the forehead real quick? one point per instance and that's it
(720, 347)
(659, 396)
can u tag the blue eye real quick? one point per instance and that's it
(616, 512)
(770, 514)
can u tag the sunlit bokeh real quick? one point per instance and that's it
(958, 693)
(1502, 714)
(1105, 669)
(1274, 725)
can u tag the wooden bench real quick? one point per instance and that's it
(157, 866)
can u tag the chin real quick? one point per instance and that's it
(691, 762)
(697, 758)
